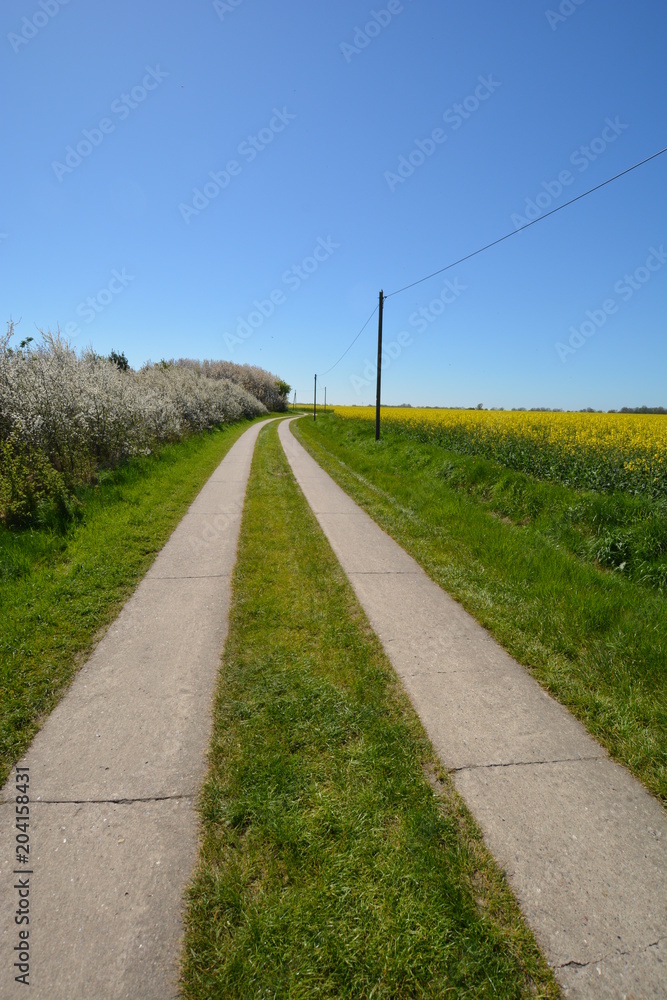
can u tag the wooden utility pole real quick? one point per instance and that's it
(315, 400)
(325, 399)
(379, 378)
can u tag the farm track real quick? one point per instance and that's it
(117, 767)
(582, 842)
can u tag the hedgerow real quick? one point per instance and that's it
(268, 388)
(65, 415)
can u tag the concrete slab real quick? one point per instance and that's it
(236, 472)
(618, 976)
(325, 501)
(582, 842)
(479, 705)
(105, 905)
(361, 549)
(589, 858)
(131, 725)
(115, 770)
(214, 502)
(192, 550)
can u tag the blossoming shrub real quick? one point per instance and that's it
(257, 381)
(62, 416)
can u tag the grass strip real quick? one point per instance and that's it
(59, 590)
(328, 867)
(516, 553)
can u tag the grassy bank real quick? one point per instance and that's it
(328, 866)
(60, 588)
(524, 557)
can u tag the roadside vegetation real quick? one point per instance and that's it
(336, 859)
(63, 581)
(98, 463)
(267, 388)
(64, 416)
(570, 581)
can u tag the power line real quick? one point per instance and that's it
(527, 226)
(351, 345)
(494, 243)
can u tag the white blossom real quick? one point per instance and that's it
(84, 412)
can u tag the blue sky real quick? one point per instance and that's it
(239, 179)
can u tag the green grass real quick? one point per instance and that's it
(61, 588)
(523, 556)
(336, 860)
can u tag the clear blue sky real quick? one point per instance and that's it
(303, 114)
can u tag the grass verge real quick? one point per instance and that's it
(328, 866)
(519, 555)
(60, 589)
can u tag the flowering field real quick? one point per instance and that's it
(601, 451)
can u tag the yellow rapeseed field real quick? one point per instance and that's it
(608, 451)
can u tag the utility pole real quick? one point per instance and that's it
(379, 379)
(315, 400)
(325, 399)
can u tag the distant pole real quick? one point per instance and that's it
(379, 380)
(315, 400)
(325, 399)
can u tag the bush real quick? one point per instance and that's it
(268, 388)
(29, 485)
(63, 416)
